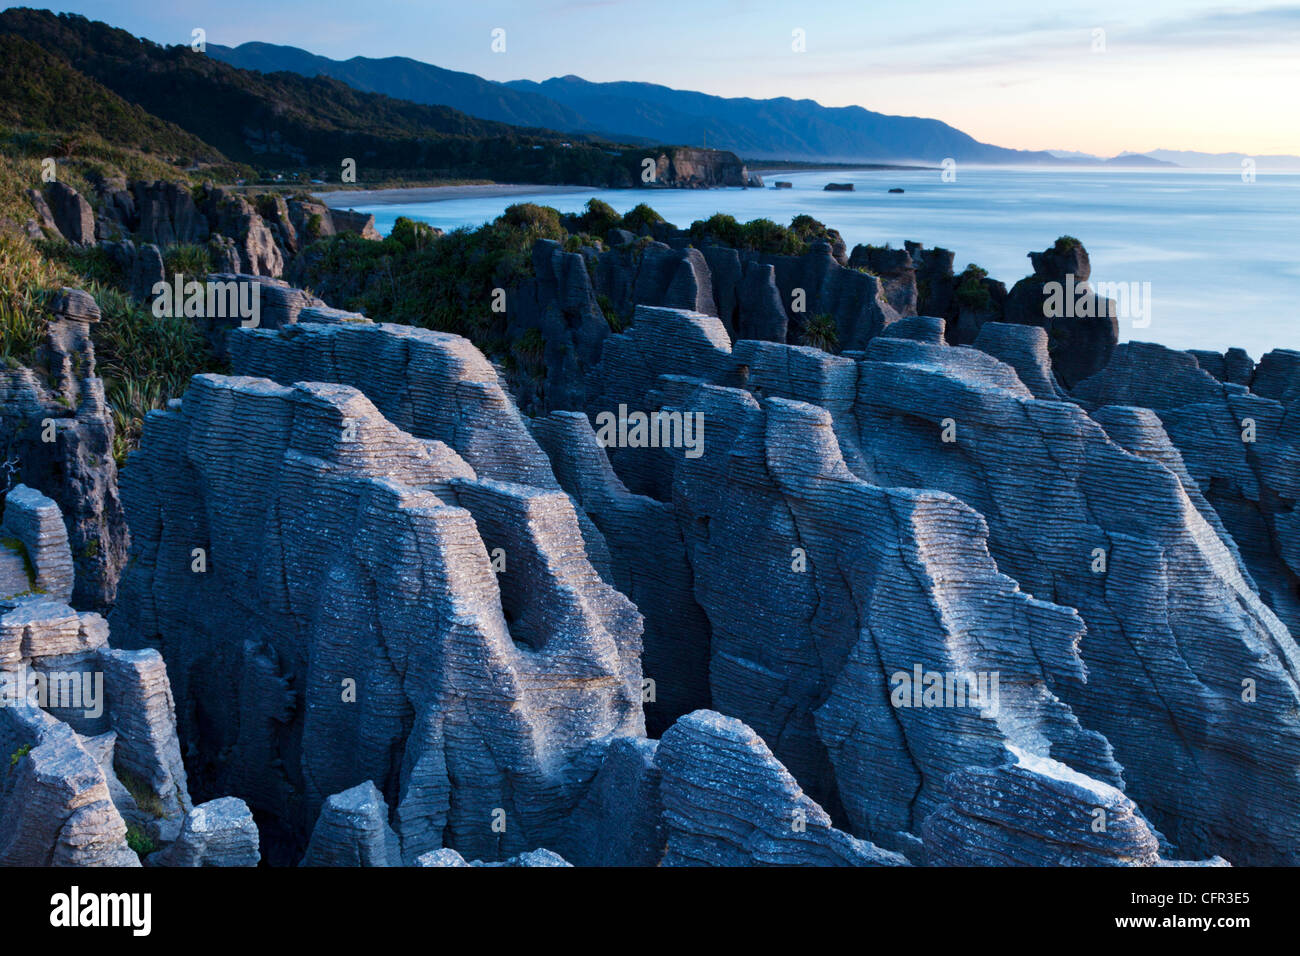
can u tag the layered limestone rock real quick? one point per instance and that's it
(56, 436)
(686, 167)
(576, 296)
(1024, 348)
(728, 802)
(163, 213)
(1172, 655)
(1184, 660)
(248, 301)
(438, 386)
(55, 805)
(648, 563)
(43, 226)
(408, 625)
(431, 384)
(72, 214)
(349, 220)
(1036, 811)
(619, 821)
(233, 216)
(90, 736)
(34, 554)
(1240, 447)
(860, 591)
(1081, 325)
(353, 830)
(217, 833)
(541, 857)
(403, 619)
(769, 297)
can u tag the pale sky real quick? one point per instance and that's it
(1033, 75)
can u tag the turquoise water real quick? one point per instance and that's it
(1222, 256)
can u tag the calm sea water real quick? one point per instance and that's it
(1221, 256)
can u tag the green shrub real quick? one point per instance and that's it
(641, 215)
(599, 218)
(971, 291)
(19, 754)
(411, 234)
(821, 332)
(139, 841)
(541, 219)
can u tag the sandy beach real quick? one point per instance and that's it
(340, 199)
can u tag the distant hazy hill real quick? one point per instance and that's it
(1123, 160)
(760, 129)
(1231, 161)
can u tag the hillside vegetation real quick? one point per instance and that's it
(283, 121)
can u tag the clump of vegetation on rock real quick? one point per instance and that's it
(971, 291)
(821, 332)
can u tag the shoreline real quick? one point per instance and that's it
(346, 199)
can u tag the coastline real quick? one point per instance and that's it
(341, 199)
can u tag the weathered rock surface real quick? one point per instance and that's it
(55, 801)
(541, 857)
(1169, 605)
(619, 821)
(1037, 812)
(72, 214)
(728, 802)
(90, 736)
(165, 214)
(1241, 449)
(1082, 326)
(353, 830)
(376, 642)
(34, 552)
(217, 833)
(910, 603)
(56, 436)
(47, 227)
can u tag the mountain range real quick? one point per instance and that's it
(65, 74)
(779, 129)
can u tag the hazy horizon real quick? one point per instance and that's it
(1103, 79)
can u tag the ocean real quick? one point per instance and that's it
(1211, 260)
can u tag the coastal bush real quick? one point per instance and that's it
(445, 285)
(411, 234)
(971, 291)
(527, 215)
(761, 235)
(600, 217)
(641, 215)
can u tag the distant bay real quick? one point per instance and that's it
(1220, 254)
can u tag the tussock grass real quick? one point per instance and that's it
(144, 360)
